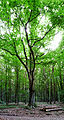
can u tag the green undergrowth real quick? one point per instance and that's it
(11, 106)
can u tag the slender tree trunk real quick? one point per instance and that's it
(1, 85)
(54, 92)
(49, 86)
(63, 80)
(17, 86)
(58, 90)
(45, 89)
(51, 92)
(25, 89)
(60, 77)
(9, 84)
(1, 90)
(47, 92)
(6, 97)
(9, 91)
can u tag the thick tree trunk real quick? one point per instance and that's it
(31, 97)
(31, 91)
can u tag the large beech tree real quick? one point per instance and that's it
(26, 27)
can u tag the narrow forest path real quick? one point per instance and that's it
(31, 118)
(31, 114)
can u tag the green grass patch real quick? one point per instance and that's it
(11, 106)
(7, 106)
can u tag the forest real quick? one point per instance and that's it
(30, 71)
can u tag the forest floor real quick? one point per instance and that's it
(24, 113)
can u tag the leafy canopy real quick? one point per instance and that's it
(28, 26)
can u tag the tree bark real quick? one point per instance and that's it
(31, 91)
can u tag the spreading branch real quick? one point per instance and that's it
(29, 17)
(19, 57)
(45, 63)
(35, 17)
(22, 22)
(32, 18)
(8, 51)
(43, 36)
(39, 55)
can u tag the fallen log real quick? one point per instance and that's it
(57, 109)
(52, 107)
(48, 109)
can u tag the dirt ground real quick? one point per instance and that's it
(30, 114)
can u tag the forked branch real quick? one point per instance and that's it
(30, 47)
(43, 36)
(19, 57)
